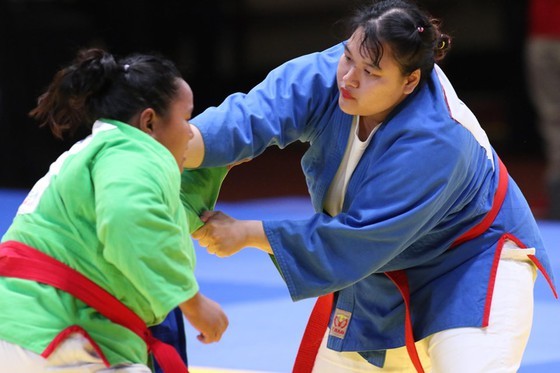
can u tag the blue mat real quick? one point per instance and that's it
(266, 326)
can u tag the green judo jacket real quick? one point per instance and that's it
(115, 208)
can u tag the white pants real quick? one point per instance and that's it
(74, 355)
(497, 348)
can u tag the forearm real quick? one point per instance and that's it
(206, 316)
(191, 307)
(256, 236)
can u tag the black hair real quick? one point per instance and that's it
(96, 85)
(413, 36)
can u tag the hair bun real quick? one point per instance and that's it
(93, 70)
(443, 44)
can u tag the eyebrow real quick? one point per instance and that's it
(369, 63)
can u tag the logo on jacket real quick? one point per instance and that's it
(340, 323)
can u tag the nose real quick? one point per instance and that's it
(349, 77)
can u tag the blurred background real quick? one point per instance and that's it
(223, 46)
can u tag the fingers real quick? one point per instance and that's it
(204, 235)
(206, 339)
(214, 335)
(215, 250)
(206, 215)
(210, 250)
(200, 233)
(204, 240)
(216, 233)
(202, 338)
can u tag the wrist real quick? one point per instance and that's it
(191, 305)
(256, 236)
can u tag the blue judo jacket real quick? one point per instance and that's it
(428, 175)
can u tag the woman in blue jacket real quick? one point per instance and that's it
(422, 250)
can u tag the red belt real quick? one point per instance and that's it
(320, 315)
(21, 261)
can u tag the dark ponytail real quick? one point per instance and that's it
(412, 34)
(97, 86)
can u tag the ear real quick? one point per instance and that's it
(146, 121)
(411, 81)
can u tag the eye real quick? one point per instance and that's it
(371, 73)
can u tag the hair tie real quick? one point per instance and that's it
(125, 67)
(420, 29)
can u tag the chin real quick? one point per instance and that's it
(346, 109)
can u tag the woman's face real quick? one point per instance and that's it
(367, 90)
(173, 129)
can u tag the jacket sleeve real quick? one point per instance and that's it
(199, 192)
(280, 110)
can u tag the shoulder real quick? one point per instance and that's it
(315, 65)
(129, 152)
(330, 55)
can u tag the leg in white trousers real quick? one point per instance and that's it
(74, 355)
(497, 348)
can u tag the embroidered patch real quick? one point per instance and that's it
(340, 323)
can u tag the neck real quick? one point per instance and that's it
(366, 126)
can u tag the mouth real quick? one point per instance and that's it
(346, 94)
